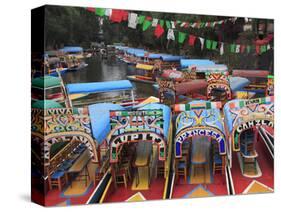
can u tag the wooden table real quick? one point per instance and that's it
(199, 153)
(143, 154)
(80, 166)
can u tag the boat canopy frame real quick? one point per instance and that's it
(247, 114)
(147, 126)
(195, 115)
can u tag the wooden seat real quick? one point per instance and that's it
(217, 163)
(57, 179)
(181, 168)
(121, 177)
(161, 168)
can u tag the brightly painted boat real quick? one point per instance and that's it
(251, 150)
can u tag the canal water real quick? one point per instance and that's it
(111, 69)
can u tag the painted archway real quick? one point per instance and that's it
(248, 124)
(134, 126)
(208, 131)
(49, 140)
(133, 137)
(218, 81)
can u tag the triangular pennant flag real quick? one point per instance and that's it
(181, 37)
(118, 15)
(146, 25)
(248, 49)
(141, 19)
(222, 49)
(168, 24)
(108, 12)
(154, 22)
(202, 42)
(170, 34)
(191, 40)
(182, 24)
(232, 48)
(133, 20)
(91, 9)
(237, 50)
(186, 24)
(208, 44)
(263, 49)
(173, 25)
(158, 31)
(202, 24)
(100, 11)
(214, 44)
(162, 23)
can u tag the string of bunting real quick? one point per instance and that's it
(134, 19)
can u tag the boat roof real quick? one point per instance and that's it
(100, 118)
(144, 66)
(238, 83)
(72, 49)
(46, 104)
(251, 73)
(210, 68)
(211, 116)
(171, 58)
(235, 105)
(45, 82)
(155, 56)
(99, 87)
(185, 63)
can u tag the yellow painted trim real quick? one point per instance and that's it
(105, 191)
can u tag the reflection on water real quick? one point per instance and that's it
(111, 69)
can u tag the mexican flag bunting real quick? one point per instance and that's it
(118, 15)
(268, 47)
(202, 42)
(213, 24)
(232, 48)
(170, 34)
(162, 23)
(108, 12)
(222, 49)
(100, 11)
(91, 9)
(182, 24)
(168, 24)
(191, 40)
(141, 19)
(194, 25)
(158, 32)
(208, 24)
(208, 44)
(154, 22)
(178, 22)
(182, 37)
(133, 20)
(173, 25)
(221, 22)
(146, 25)
(237, 50)
(202, 24)
(214, 44)
(263, 49)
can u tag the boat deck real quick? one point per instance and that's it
(261, 184)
